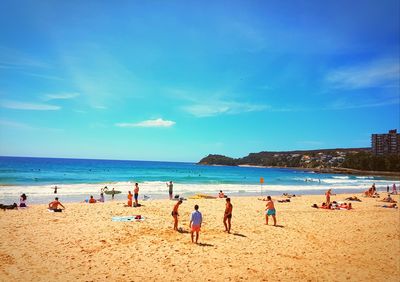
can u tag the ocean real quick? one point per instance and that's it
(77, 179)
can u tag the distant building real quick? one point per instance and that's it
(384, 144)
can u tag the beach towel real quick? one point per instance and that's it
(128, 218)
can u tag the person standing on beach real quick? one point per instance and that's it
(394, 189)
(195, 223)
(228, 215)
(136, 194)
(328, 196)
(175, 214)
(170, 186)
(270, 210)
(130, 197)
(112, 193)
(55, 189)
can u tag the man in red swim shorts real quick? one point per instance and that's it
(195, 223)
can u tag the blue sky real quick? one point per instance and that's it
(177, 80)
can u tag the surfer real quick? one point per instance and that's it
(112, 193)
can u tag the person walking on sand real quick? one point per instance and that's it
(195, 223)
(228, 215)
(270, 210)
(130, 197)
(175, 214)
(136, 194)
(170, 186)
(112, 193)
(394, 189)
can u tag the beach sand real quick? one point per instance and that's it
(83, 243)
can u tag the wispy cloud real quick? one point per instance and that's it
(14, 124)
(60, 96)
(148, 123)
(15, 59)
(348, 105)
(16, 105)
(213, 108)
(379, 73)
(99, 107)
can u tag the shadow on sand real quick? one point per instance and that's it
(182, 231)
(205, 245)
(240, 235)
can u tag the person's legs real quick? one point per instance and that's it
(191, 235)
(266, 219)
(229, 225)
(175, 222)
(226, 227)
(274, 218)
(197, 236)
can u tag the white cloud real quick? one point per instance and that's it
(148, 123)
(222, 107)
(99, 107)
(61, 96)
(379, 73)
(16, 105)
(14, 124)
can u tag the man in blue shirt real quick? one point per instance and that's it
(195, 222)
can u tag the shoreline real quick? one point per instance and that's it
(335, 170)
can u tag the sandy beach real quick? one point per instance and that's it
(310, 244)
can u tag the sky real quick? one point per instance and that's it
(178, 80)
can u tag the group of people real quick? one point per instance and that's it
(135, 196)
(196, 217)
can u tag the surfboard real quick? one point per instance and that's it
(111, 192)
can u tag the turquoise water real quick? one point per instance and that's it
(77, 178)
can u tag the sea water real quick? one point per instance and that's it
(77, 179)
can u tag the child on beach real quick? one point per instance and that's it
(101, 199)
(270, 210)
(54, 205)
(175, 214)
(228, 215)
(130, 197)
(195, 223)
(136, 193)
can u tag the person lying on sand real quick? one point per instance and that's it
(354, 198)
(221, 194)
(54, 205)
(389, 199)
(392, 206)
(345, 206)
(284, 201)
(288, 195)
